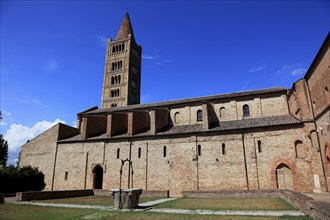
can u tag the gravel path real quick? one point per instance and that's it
(155, 202)
(230, 212)
(68, 205)
(180, 211)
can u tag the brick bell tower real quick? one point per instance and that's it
(122, 71)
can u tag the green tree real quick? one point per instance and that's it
(15, 179)
(3, 149)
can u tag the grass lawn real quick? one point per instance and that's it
(25, 212)
(228, 204)
(29, 212)
(92, 200)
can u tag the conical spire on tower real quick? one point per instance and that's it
(125, 29)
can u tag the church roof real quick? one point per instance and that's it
(233, 96)
(125, 29)
(224, 126)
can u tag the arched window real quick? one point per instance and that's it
(112, 80)
(199, 150)
(326, 94)
(139, 152)
(123, 46)
(199, 115)
(113, 105)
(259, 147)
(120, 64)
(246, 111)
(118, 153)
(116, 48)
(112, 93)
(299, 149)
(164, 151)
(118, 93)
(327, 153)
(115, 66)
(119, 78)
(119, 47)
(223, 149)
(113, 49)
(176, 117)
(222, 112)
(112, 66)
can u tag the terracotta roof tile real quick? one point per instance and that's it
(189, 100)
(125, 29)
(198, 128)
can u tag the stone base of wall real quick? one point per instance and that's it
(315, 209)
(145, 193)
(27, 196)
(156, 193)
(232, 194)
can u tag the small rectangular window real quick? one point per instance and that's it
(164, 151)
(223, 147)
(139, 152)
(118, 153)
(66, 175)
(199, 115)
(259, 147)
(199, 150)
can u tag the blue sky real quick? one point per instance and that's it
(52, 52)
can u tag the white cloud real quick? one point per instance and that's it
(74, 124)
(6, 116)
(12, 161)
(102, 40)
(18, 134)
(298, 71)
(293, 69)
(149, 97)
(148, 57)
(31, 101)
(245, 85)
(51, 65)
(257, 69)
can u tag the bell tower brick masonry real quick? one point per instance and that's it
(122, 71)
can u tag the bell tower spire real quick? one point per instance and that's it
(122, 72)
(125, 29)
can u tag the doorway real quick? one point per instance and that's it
(284, 177)
(97, 177)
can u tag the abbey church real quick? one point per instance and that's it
(262, 139)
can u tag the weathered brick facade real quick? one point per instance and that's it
(262, 139)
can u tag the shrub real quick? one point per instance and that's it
(15, 179)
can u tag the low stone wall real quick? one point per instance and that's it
(318, 210)
(2, 198)
(145, 193)
(156, 193)
(27, 196)
(315, 209)
(231, 194)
